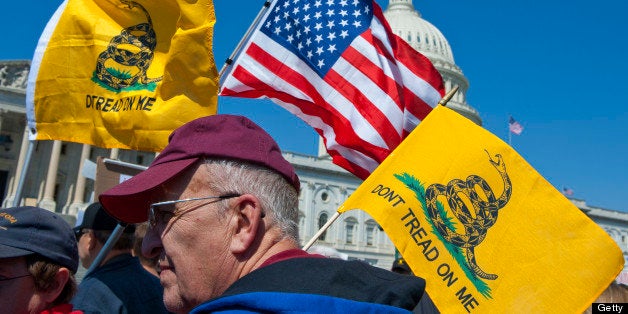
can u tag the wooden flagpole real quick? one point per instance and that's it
(447, 97)
(321, 230)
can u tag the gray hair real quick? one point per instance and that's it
(278, 198)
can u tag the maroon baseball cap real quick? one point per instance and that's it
(222, 136)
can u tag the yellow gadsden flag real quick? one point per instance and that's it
(122, 73)
(484, 229)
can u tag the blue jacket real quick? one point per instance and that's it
(121, 285)
(322, 285)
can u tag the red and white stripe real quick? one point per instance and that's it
(373, 96)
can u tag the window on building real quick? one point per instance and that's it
(371, 261)
(350, 226)
(370, 233)
(322, 220)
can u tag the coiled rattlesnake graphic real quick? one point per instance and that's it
(485, 212)
(133, 48)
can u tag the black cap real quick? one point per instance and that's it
(27, 230)
(96, 218)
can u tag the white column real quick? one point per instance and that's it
(115, 152)
(78, 201)
(8, 202)
(48, 202)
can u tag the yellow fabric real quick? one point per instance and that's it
(547, 256)
(123, 74)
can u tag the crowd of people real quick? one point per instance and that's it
(119, 284)
(40, 255)
(217, 211)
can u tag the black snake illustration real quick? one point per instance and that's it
(485, 212)
(142, 37)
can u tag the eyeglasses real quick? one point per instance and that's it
(11, 278)
(152, 217)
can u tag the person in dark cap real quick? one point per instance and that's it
(119, 284)
(38, 260)
(222, 209)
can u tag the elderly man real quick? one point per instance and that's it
(38, 260)
(221, 204)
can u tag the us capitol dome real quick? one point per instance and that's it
(408, 24)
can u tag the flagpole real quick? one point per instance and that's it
(509, 132)
(321, 230)
(447, 97)
(117, 232)
(20, 184)
(244, 39)
(111, 241)
(442, 102)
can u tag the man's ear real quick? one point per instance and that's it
(60, 279)
(92, 242)
(248, 219)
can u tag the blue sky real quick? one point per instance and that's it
(559, 68)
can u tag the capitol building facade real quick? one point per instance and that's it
(57, 178)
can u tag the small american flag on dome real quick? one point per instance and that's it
(514, 126)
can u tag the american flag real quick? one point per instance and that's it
(514, 126)
(336, 65)
(567, 191)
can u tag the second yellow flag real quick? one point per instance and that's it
(486, 230)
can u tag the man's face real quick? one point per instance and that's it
(17, 288)
(192, 243)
